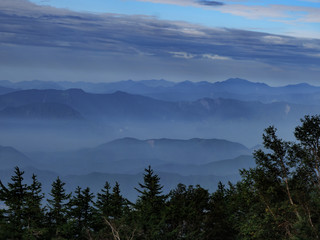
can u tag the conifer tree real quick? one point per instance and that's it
(150, 206)
(58, 208)
(15, 196)
(81, 213)
(35, 213)
(118, 203)
(112, 213)
(102, 212)
(103, 202)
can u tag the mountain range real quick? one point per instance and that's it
(183, 125)
(75, 103)
(234, 88)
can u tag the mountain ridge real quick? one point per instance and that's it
(236, 88)
(122, 105)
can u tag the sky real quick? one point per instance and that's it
(276, 42)
(299, 18)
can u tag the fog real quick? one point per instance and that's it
(87, 138)
(37, 135)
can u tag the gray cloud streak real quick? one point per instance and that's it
(145, 35)
(143, 38)
(210, 3)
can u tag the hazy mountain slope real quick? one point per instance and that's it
(234, 88)
(129, 154)
(10, 157)
(118, 104)
(127, 107)
(222, 167)
(34, 84)
(41, 111)
(4, 90)
(173, 150)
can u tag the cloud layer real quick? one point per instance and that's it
(144, 40)
(289, 13)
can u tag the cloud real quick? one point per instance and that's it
(210, 3)
(274, 12)
(316, 1)
(35, 37)
(281, 13)
(194, 3)
(29, 24)
(215, 57)
(173, 2)
(184, 55)
(310, 45)
(274, 39)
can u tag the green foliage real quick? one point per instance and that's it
(14, 196)
(186, 212)
(220, 210)
(58, 209)
(103, 202)
(150, 206)
(23, 217)
(81, 213)
(34, 212)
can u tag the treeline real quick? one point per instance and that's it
(278, 199)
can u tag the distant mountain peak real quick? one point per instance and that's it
(121, 93)
(299, 85)
(241, 81)
(237, 80)
(75, 91)
(157, 83)
(186, 83)
(125, 140)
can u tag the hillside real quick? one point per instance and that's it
(10, 157)
(51, 111)
(121, 106)
(234, 88)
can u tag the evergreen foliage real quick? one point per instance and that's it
(150, 205)
(58, 210)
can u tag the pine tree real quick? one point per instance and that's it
(35, 213)
(112, 210)
(118, 203)
(15, 196)
(81, 213)
(58, 208)
(150, 206)
(103, 202)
